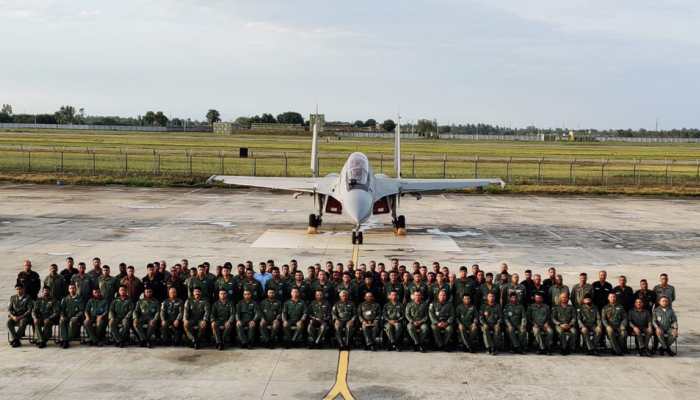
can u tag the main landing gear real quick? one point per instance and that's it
(314, 223)
(400, 225)
(356, 237)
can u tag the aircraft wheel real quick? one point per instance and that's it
(359, 237)
(314, 222)
(401, 222)
(354, 237)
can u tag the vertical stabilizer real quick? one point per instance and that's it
(314, 147)
(397, 149)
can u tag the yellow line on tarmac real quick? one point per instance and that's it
(341, 388)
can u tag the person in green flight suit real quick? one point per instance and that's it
(96, 315)
(319, 319)
(196, 317)
(417, 321)
(45, 316)
(171, 313)
(468, 322)
(271, 315)
(515, 318)
(393, 316)
(294, 318)
(344, 314)
(490, 319)
(71, 315)
(146, 313)
(247, 317)
(120, 313)
(223, 319)
(370, 313)
(442, 315)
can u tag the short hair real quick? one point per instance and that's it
(583, 274)
(663, 274)
(69, 258)
(528, 271)
(643, 280)
(489, 274)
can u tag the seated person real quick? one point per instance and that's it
(293, 318)
(222, 318)
(442, 316)
(393, 316)
(614, 319)
(171, 313)
(490, 319)
(146, 313)
(665, 325)
(96, 315)
(71, 315)
(120, 317)
(538, 318)
(343, 314)
(45, 315)
(564, 320)
(417, 321)
(197, 312)
(20, 315)
(369, 313)
(247, 316)
(271, 316)
(319, 319)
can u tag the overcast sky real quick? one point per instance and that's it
(574, 63)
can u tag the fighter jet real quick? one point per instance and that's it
(356, 192)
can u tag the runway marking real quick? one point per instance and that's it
(340, 387)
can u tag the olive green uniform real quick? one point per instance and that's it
(247, 317)
(344, 321)
(417, 316)
(352, 289)
(45, 315)
(565, 315)
(538, 318)
(393, 316)
(84, 284)
(57, 286)
(370, 314)
(108, 287)
(640, 319)
(222, 318)
(96, 315)
(668, 291)
(442, 312)
(490, 319)
(515, 318)
(270, 320)
(394, 287)
(19, 307)
(614, 319)
(229, 286)
(462, 287)
(555, 293)
(665, 321)
(120, 313)
(71, 311)
(293, 320)
(589, 324)
(171, 311)
(146, 313)
(195, 319)
(467, 322)
(254, 287)
(319, 318)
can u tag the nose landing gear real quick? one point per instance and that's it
(400, 225)
(356, 237)
(314, 223)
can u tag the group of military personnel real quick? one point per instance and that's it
(389, 305)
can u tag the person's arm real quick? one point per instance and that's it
(432, 314)
(450, 314)
(207, 312)
(136, 314)
(673, 320)
(111, 314)
(284, 312)
(258, 314)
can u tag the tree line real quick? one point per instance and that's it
(68, 114)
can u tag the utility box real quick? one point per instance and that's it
(243, 152)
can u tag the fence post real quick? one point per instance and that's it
(189, 160)
(381, 162)
(571, 172)
(639, 172)
(444, 165)
(254, 165)
(508, 169)
(221, 161)
(603, 176)
(29, 161)
(154, 163)
(126, 162)
(413, 165)
(286, 171)
(94, 164)
(476, 167)
(539, 170)
(666, 172)
(61, 161)
(697, 171)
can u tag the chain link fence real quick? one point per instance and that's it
(513, 170)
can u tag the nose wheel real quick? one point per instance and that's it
(314, 223)
(400, 225)
(356, 237)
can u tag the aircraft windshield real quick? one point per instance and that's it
(358, 171)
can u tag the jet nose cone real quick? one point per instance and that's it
(359, 206)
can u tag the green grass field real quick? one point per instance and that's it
(162, 158)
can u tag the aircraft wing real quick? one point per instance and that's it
(309, 185)
(389, 186)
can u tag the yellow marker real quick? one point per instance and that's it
(341, 388)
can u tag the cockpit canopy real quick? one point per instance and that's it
(357, 171)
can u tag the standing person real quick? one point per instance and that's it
(120, 313)
(96, 270)
(323, 284)
(196, 317)
(226, 282)
(589, 324)
(252, 285)
(55, 283)
(393, 316)
(348, 285)
(154, 281)
(146, 313)
(463, 286)
(270, 317)
(122, 272)
(30, 280)
(467, 323)
(133, 285)
(549, 282)
(344, 313)
(247, 317)
(108, 284)
(530, 290)
(557, 289)
(564, 320)
(369, 314)
(624, 293)
(663, 289)
(277, 284)
(45, 316)
(442, 316)
(96, 315)
(601, 289)
(665, 325)
(71, 312)
(490, 319)
(515, 318)
(83, 283)
(648, 296)
(68, 272)
(223, 318)
(581, 290)
(538, 314)
(294, 315)
(301, 285)
(614, 319)
(640, 326)
(263, 276)
(171, 315)
(514, 286)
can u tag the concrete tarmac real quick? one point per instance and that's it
(638, 237)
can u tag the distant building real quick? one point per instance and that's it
(321, 121)
(276, 127)
(224, 128)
